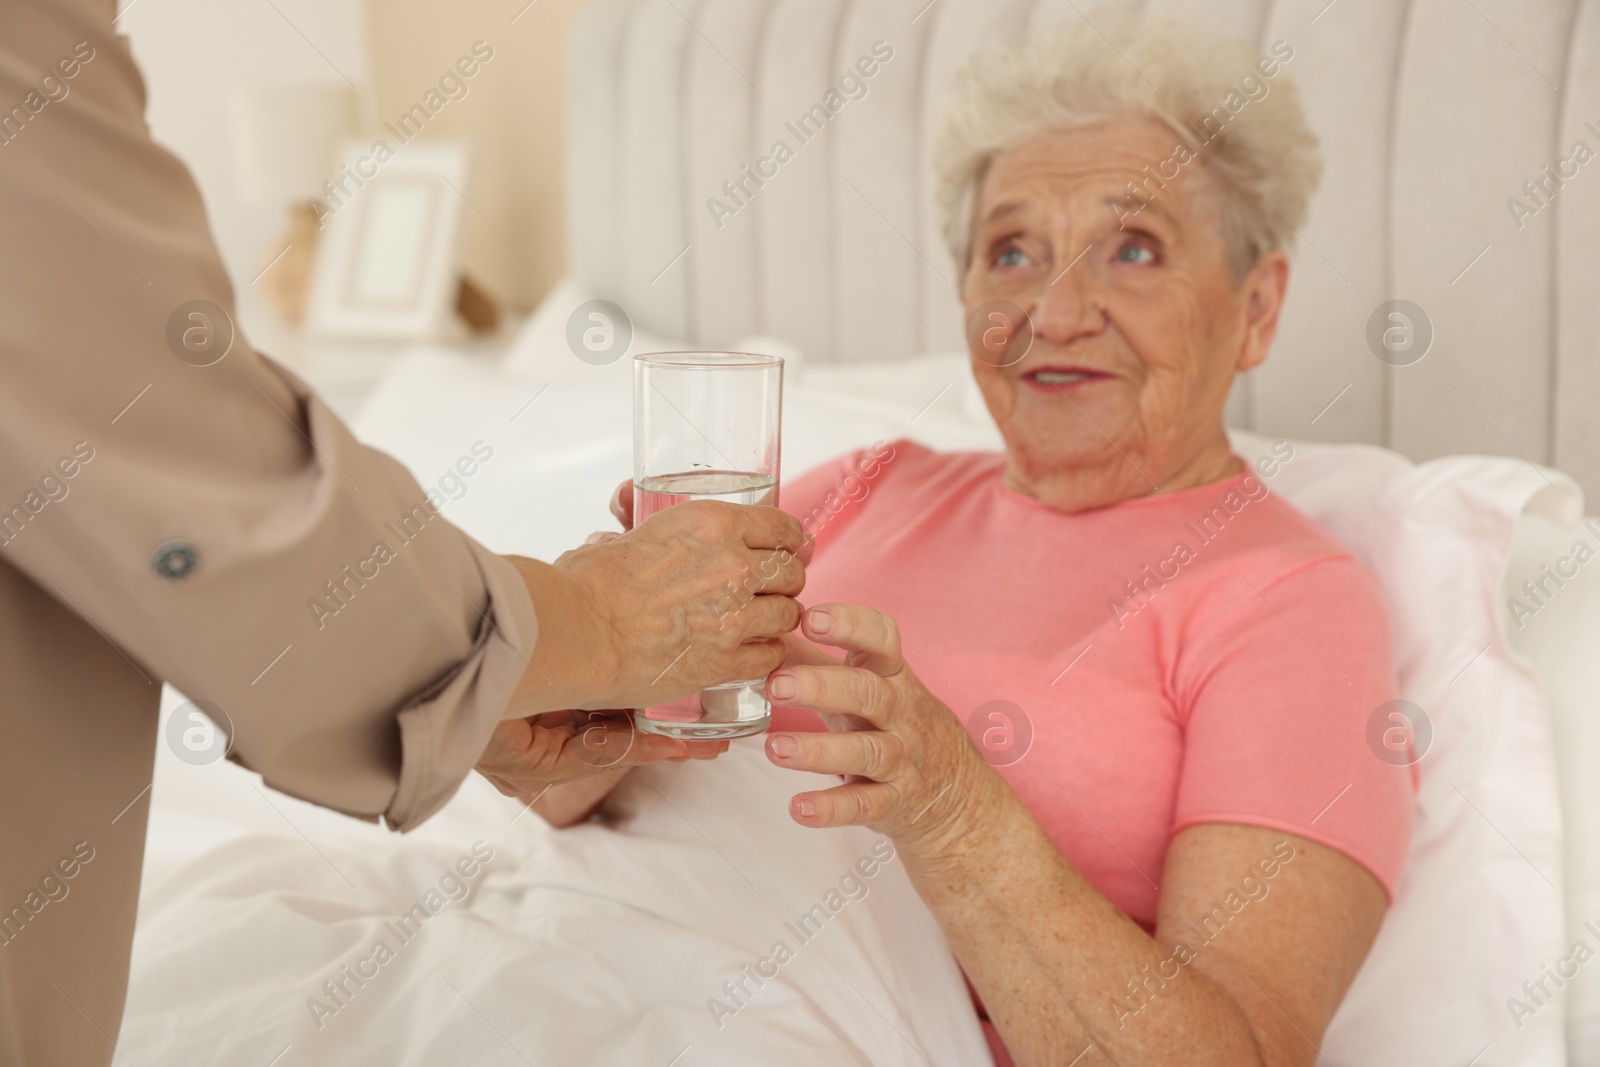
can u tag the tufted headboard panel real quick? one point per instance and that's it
(1432, 115)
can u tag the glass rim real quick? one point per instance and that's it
(708, 359)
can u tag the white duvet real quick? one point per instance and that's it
(700, 927)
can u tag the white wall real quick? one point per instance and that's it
(194, 53)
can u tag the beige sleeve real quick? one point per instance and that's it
(197, 515)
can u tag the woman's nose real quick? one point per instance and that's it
(1068, 307)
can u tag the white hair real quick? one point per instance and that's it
(1215, 94)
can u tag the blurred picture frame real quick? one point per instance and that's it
(388, 258)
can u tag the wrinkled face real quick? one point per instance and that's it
(1137, 325)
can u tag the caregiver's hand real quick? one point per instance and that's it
(648, 617)
(622, 511)
(914, 773)
(526, 757)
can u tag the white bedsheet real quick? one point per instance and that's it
(595, 945)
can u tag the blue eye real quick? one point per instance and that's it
(1011, 257)
(1135, 253)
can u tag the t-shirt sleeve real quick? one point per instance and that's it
(1287, 698)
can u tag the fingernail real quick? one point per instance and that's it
(821, 622)
(783, 745)
(805, 808)
(782, 686)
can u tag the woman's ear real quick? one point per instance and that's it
(1265, 287)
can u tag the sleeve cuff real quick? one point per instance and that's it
(444, 729)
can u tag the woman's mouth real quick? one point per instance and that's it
(1059, 379)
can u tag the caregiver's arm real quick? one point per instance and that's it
(1052, 958)
(643, 622)
(216, 522)
(567, 802)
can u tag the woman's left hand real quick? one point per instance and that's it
(914, 773)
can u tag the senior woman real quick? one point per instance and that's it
(1192, 857)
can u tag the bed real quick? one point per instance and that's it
(1458, 478)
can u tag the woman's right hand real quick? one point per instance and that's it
(622, 505)
(621, 510)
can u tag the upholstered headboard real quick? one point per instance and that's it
(1432, 115)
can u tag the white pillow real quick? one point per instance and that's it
(938, 383)
(560, 445)
(1479, 908)
(548, 344)
(1559, 638)
(542, 349)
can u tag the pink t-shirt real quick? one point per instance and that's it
(1207, 655)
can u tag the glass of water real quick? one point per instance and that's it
(706, 427)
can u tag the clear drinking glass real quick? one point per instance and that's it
(706, 427)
